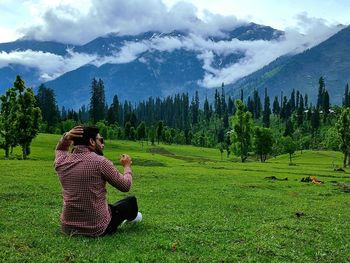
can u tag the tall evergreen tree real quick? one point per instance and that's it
(276, 107)
(267, 111)
(83, 114)
(306, 101)
(97, 101)
(297, 100)
(321, 89)
(325, 105)
(315, 121)
(250, 106)
(46, 101)
(284, 111)
(230, 106)
(63, 113)
(113, 111)
(217, 104)
(223, 101)
(159, 130)
(300, 112)
(206, 109)
(292, 101)
(257, 105)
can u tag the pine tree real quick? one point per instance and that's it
(276, 107)
(288, 110)
(321, 89)
(223, 101)
(97, 101)
(292, 101)
(217, 104)
(159, 130)
(230, 106)
(206, 109)
(315, 121)
(257, 105)
(267, 111)
(83, 114)
(63, 113)
(46, 101)
(306, 101)
(297, 100)
(283, 111)
(325, 105)
(300, 112)
(113, 111)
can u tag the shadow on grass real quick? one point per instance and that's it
(165, 152)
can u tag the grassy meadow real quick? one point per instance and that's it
(196, 208)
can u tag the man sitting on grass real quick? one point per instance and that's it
(83, 175)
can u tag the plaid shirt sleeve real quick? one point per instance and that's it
(62, 148)
(116, 179)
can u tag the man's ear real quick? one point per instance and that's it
(92, 142)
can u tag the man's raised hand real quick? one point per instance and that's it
(76, 132)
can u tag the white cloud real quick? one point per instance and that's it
(50, 65)
(65, 23)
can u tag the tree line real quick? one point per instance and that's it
(245, 126)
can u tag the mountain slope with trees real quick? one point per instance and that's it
(329, 59)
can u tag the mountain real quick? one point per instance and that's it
(329, 59)
(153, 72)
(154, 64)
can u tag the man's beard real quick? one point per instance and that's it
(99, 151)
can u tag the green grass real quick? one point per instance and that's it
(196, 208)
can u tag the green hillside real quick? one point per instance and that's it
(196, 208)
(329, 59)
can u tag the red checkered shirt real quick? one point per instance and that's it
(83, 175)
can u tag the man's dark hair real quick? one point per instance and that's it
(90, 132)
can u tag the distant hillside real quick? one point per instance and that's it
(330, 59)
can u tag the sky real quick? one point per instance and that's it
(20, 17)
(305, 23)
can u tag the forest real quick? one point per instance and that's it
(252, 126)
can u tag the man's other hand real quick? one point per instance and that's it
(76, 132)
(125, 160)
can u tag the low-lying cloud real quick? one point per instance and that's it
(49, 65)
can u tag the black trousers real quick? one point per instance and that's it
(125, 209)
